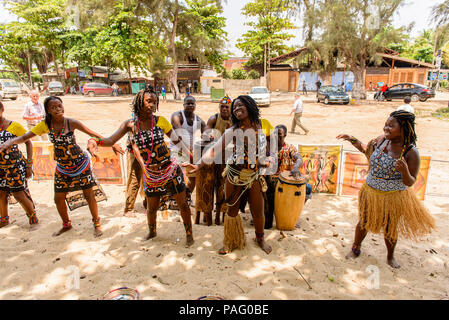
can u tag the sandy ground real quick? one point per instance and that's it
(35, 265)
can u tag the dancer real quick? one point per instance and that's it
(162, 175)
(387, 204)
(14, 171)
(216, 126)
(73, 171)
(242, 172)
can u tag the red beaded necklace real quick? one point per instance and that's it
(61, 132)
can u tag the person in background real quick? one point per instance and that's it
(318, 86)
(163, 94)
(304, 88)
(297, 109)
(406, 106)
(33, 112)
(115, 89)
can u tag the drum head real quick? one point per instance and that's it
(286, 176)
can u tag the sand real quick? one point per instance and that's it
(76, 265)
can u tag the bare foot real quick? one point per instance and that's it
(392, 263)
(189, 241)
(151, 235)
(61, 231)
(217, 220)
(264, 246)
(129, 214)
(4, 224)
(98, 232)
(223, 251)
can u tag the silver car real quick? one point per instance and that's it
(9, 89)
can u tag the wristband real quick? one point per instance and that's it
(99, 141)
(353, 140)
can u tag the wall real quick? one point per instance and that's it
(413, 75)
(231, 87)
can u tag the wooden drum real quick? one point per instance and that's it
(289, 200)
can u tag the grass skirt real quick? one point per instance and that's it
(234, 236)
(393, 213)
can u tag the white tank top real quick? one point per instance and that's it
(187, 133)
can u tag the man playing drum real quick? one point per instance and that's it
(288, 159)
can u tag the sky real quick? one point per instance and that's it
(417, 11)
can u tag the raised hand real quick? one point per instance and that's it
(401, 166)
(345, 137)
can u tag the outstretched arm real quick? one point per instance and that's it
(112, 140)
(8, 144)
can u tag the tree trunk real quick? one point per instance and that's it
(358, 90)
(29, 70)
(173, 74)
(129, 75)
(63, 69)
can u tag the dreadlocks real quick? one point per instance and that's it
(407, 122)
(251, 106)
(47, 114)
(138, 104)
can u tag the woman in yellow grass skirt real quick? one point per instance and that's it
(387, 204)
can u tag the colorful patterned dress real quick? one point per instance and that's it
(157, 158)
(12, 162)
(73, 171)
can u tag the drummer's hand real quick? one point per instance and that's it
(117, 149)
(295, 172)
(5, 146)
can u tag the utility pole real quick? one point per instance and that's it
(269, 69)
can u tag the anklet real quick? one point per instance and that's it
(97, 223)
(355, 250)
(33, 218)
(4, 219)
(67, 224)
(188, 228)
(259, 237)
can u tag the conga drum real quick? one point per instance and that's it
(289, 200)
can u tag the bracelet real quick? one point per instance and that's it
(29, 161)
(353, 140)
(99, 141)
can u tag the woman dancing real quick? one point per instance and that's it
(162, 175)
(387, 204)
(73, 171)
(14, 171)
(242, 173)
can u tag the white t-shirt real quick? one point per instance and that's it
(406, 107)
(298, 106)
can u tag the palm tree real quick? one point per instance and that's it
(440, 13)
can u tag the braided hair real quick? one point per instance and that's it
(251, 106)
(407, 122)
(138, 103)
(47, 114)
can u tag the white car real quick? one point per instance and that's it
(261, 95)
(9, 89)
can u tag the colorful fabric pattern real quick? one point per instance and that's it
(160, 159)
(12, 162)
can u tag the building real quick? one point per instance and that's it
(235, 63)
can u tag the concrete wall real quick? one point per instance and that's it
(231, 87)
(284, 80)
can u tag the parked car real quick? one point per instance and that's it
(417, 92)
(93, 89)
(261, 95)
(331, 94)
(9, 89)
(54, 88)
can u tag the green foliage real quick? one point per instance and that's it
(225, 74)
(270, 30)
(253, 74)
(239, 74)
